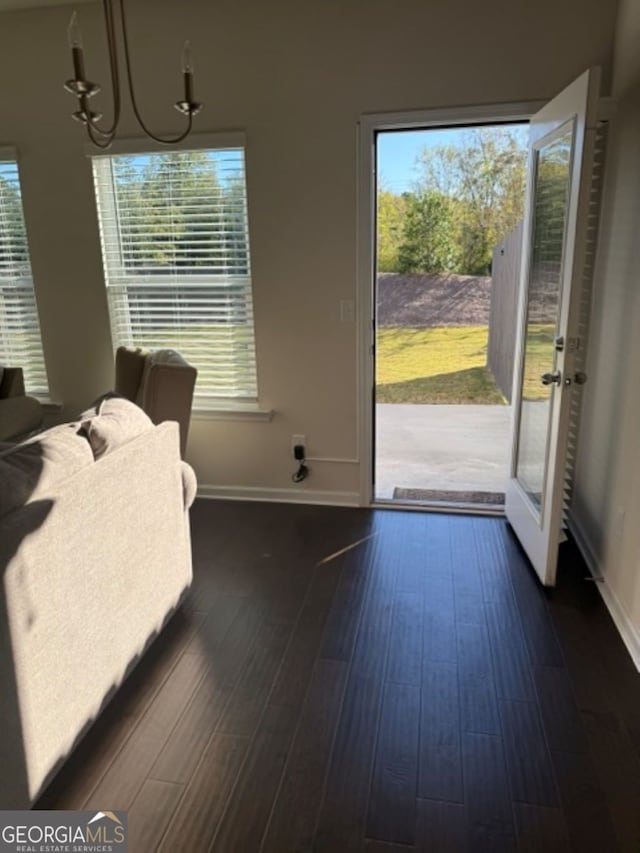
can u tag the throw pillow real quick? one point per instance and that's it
(117, 422)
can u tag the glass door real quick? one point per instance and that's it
(560, 161)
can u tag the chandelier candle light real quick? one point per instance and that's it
(83, 89)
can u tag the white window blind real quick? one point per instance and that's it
(20, 342)
(175, 247)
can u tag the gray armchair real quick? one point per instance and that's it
(160, 382)
(19, 413)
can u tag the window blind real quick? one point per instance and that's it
(175, 248)
(20, 342)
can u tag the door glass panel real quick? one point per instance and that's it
(550, 201)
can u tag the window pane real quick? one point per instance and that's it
(550, 200)
(20, 342)
(176, 257)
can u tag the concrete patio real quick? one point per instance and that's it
(444, 447)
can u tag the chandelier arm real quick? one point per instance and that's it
(125, 42)
(99, 143)
(113, 62)
(109, 133)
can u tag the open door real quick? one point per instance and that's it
(561, 147)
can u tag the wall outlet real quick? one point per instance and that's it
(298, 439)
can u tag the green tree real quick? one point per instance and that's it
(235, 227)
(391, 214)
(484, 180)
(13, 249)
(552, 188)
(170, 210)
(428, 234)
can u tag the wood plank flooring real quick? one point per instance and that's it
(360, 680)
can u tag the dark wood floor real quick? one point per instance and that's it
(354, 680)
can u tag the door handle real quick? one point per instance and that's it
(554, 378)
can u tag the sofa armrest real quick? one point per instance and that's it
(12, 384)
(189, 484)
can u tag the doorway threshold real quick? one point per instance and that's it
(453, 508)
(450, 496)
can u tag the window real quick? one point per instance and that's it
(20, 342)
(175, 248)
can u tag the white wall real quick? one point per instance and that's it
(607, 499)
(295, 76)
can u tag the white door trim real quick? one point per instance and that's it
(368, 125)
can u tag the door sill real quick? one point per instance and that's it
(493, 510)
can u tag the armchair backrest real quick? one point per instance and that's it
(160, 382)
(20, 414)
(11, 383)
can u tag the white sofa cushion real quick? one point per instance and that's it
(33, 469)
(117, 421)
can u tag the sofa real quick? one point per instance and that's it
(95, 557)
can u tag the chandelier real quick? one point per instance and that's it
(84, 89)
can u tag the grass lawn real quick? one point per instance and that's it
(539, 360)
(447, 364)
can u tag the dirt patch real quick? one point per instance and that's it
(422, 300)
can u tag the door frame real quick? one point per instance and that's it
(367, 128)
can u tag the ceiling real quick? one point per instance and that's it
(12, 5)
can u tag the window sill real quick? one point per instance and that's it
(233, 412)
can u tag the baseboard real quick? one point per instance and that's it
(289, 496)
(626, 629)
(584, 546)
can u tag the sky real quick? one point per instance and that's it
(398, 152)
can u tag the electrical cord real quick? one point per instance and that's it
(300, 474)
(303, 471)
